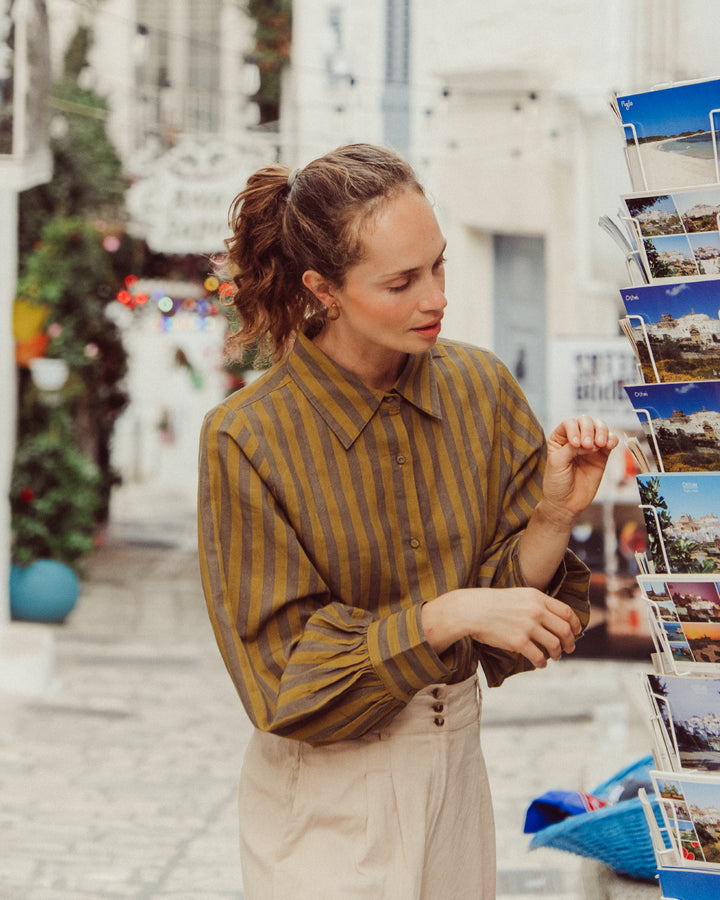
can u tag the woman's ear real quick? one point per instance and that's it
(320, 286)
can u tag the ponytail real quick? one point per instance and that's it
(269, 297)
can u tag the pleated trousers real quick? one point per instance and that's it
(403, 813)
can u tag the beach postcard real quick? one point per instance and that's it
(678, 232)
(682, 519)
(687, 711)
(675, 329)
(690, 805)
(681, 421)
(671, 135)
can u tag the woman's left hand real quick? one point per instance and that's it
(578, 450)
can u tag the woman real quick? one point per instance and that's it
(379, 514)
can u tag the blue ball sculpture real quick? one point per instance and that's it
(44, 591)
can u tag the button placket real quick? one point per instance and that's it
(438, 707)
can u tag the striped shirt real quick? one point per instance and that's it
(329, 513)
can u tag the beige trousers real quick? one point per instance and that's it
(400, 814)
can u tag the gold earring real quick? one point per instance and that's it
(333, 312)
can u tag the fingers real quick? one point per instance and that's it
(586, 433)
(526, 621)
(559, 628)
(553, 633)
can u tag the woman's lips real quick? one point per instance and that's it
(432, 329)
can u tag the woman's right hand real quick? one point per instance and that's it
(521, 620)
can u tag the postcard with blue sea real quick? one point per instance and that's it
(688, 709)
(678, 232)
(690, 804)
(682, 520)
(671, 137)
(681, 421)
(676, 329)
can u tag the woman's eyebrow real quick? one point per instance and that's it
(414, 269)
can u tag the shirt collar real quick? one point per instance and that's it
(345, 402)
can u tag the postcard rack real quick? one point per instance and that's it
(630, 318)
(653, 510)
(669, 661)
(644, 415)
(678, 343)
(678, 881)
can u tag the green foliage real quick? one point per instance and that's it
(62, 458)
(69, 272)
(271, 53)
(87, 172)
(54, 497)
(76, 55)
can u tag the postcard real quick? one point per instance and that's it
(690, 805)
(681, 421)
(683, 598)
(675, 329)
(682, 519)
(678, 232)
(670, 134)
(688, 710)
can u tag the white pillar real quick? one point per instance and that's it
(27, 650)
(8, 389)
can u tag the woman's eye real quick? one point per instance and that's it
(396, 289)
(441, 262)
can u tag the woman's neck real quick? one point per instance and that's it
(379, 371)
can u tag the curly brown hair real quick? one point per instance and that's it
(283, 224)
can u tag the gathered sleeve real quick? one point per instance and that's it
(305, 665)
(518, 473)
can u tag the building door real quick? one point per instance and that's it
(519, 314)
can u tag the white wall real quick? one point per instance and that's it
(321, 111)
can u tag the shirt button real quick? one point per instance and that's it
(439, 721)
(436, 692)
(400, 459)
(438, 707)
(414, 543)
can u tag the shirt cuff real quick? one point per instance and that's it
(402, 657)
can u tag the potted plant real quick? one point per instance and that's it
(54, 501)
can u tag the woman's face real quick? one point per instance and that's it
(392, 301)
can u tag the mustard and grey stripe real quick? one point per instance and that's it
(330, 512)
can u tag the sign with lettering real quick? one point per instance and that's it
(181, 205)
(588, 376)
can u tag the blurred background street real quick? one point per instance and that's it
(126, 129)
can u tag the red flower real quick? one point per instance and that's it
(27, 495)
